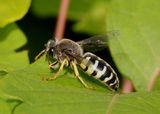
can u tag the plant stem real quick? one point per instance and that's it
(61, 20)
(153, 78)
(127, 86)
(109, 109)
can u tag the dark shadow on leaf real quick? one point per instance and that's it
(3, 73)
(22, 48)
(4, 32)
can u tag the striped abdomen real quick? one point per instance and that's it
(100, 70)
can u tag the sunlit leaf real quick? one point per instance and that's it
(12, 10)
(137, 103)
(136, 50)
(12, 39)
(8, 103)
(66, 92)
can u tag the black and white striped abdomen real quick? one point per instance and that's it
(100, 70)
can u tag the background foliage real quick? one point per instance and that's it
(135, 52)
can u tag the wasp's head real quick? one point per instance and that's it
(50, 49)
(50, 44)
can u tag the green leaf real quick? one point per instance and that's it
(65, 95)
(136, 103)
(136, 50)
(8, 103)
(11, 11)
(11, 39)
(156, 83)
(4, 109)
(2, 73)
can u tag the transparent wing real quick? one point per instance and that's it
(98, 42)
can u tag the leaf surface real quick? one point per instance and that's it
(8, 103)
(11, 40)
(11, 11)
(64, 95)
(136, 103)
(136, 50)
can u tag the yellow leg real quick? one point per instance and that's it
(59, 71)
(77, 76)
(40, 54)
(53, 65)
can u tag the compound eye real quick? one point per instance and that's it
(52, 50)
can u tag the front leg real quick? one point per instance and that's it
(54, 65)
(40, 55)
(64, 62)
(51, 66)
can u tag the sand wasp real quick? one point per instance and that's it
(70, 53)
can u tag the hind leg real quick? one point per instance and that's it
(77, 76)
